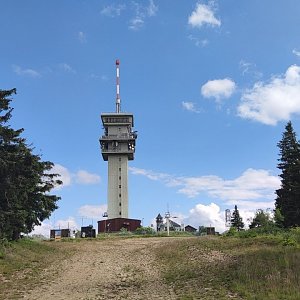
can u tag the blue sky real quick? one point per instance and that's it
(211, 85)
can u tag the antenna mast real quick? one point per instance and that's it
(118, 100)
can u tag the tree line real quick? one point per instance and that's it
(25, 180)
(287, 202)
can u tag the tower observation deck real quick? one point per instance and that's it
(117, 147)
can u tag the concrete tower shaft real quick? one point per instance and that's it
(117, 147)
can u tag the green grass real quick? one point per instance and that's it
(237, 268)
(21, 263)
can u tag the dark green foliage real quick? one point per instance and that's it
(288, 196)
(278, 218)
(25, 180)
(261, 219)
(236, 220)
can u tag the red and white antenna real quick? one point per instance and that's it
(118, 100)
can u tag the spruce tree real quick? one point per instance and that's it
(288, 196)
(25, 180)
(236, 220)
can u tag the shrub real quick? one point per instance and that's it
(145, 231)
(232, 232)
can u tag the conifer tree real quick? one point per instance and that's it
(288, 196)
(25, 180)
(236, 219)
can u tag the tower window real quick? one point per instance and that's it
(120, 204)
(120, 159)
(120, 195)
(119, 185)
(120, 169)
(120, 213)
(119, 177)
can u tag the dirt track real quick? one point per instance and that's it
(110, 269)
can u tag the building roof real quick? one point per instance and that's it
(174, 224)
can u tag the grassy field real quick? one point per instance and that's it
(22, 263)
(233, 268)
(261, 267)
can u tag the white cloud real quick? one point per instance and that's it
(252, 185)
(80, 177)
(81, 37)
(218, 89)
(92, 211)
(141, 13)
(67, 68)
(85, 177)
(203, 14)
(43, 229)
(190, 106)
(68, 223)
(25, 72)
(150, 174)
(113, 10)
(212, 215)
(65, 175)
(207, 215)
(274, 101)
(251, 205)
(296, 52)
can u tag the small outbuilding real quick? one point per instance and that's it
(88, 232)
(210, 231)
(57, 234)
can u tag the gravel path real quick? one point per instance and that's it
(106, 269)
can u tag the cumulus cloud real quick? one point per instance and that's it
(85, 177)
(203, 15)
(113, 10)
(190, 106)
(212, 215)
(80, 177)
(92, 211)
(218, 89)
(43, 229)
(142, 12)
(207, 215)
(273, 101)
(251, 185)
(25, 72)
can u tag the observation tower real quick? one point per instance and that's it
(117, 148)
